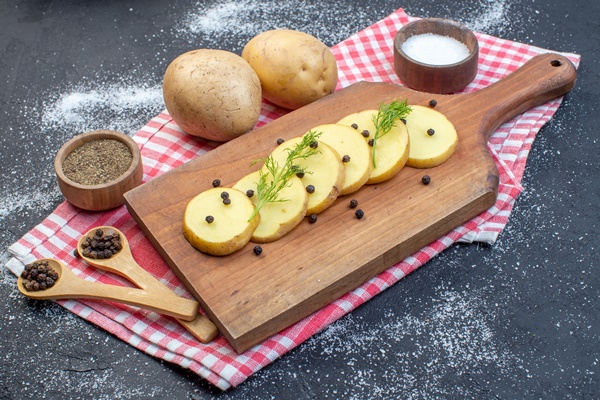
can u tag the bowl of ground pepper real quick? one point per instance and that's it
(436, 55)
(95, 169)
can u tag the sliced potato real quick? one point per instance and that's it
(326, 173)
(280, 217)
(231, 227)
(392, 149)
(349, 142)
(427, 150)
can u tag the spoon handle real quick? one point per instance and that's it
(174, 306)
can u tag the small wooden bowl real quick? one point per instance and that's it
(441, 79)
(103, 196)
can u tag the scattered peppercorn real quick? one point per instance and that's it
(257, 250)
(359, 213)
(224, 195)
(430, 132)
(432, 103)
(426, 179)
(353, 203)
(355, 126)
(209, 219)
(346, 158)
(216, 183)
(403, 120)
(101, 245)
(310, 189)
(38, 275)
(365, 133)
(280, 140)
(314, 144)
(227, 201)
(312, 218)
(371, 142)
(249, 192)
(300, 175)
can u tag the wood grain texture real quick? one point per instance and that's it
(251, 298)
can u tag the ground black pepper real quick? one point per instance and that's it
(97, 162)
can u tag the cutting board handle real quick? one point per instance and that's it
(543, 78)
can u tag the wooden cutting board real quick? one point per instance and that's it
(251, 298)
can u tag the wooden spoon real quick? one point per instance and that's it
(123, 264)
(70, 286)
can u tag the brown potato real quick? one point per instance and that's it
(213, 94)
(294, 68)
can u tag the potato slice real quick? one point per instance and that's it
(326, 173)
(391, 150)
(426, 150)
(231, 228)
(280, 217)
(349, 142)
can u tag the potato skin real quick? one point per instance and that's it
(294, 68)
(213, 94)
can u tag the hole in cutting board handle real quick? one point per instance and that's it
(556, 63)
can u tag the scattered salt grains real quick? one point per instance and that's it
(433, 49)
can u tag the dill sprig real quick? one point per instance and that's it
(276, 177)
(386, 118)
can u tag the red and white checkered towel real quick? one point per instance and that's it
(365, 56)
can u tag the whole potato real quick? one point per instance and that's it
(213, 94)
(294, 68)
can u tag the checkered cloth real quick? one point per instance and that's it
(365, 56)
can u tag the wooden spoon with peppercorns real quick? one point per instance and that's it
(114, 255)
(67, 285)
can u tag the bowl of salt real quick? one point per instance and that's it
(436, 55)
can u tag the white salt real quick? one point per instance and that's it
(433, 49)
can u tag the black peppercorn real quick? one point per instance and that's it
(403, 120)
(209, 219)
(432, 103)
(346, 158)
(355, 126)
(426, 179)
(359, 213)
(365, 133)
(216, 183)
(310, 189)
(314, 144)
(300, 174)
(312, 218)
(430, 132)
(249, 192)
(353, 203)
(279, 141)
(227, 201)
(257, 250)
(224, 195)
(371, 142)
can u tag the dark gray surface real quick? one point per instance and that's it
(518, 319)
